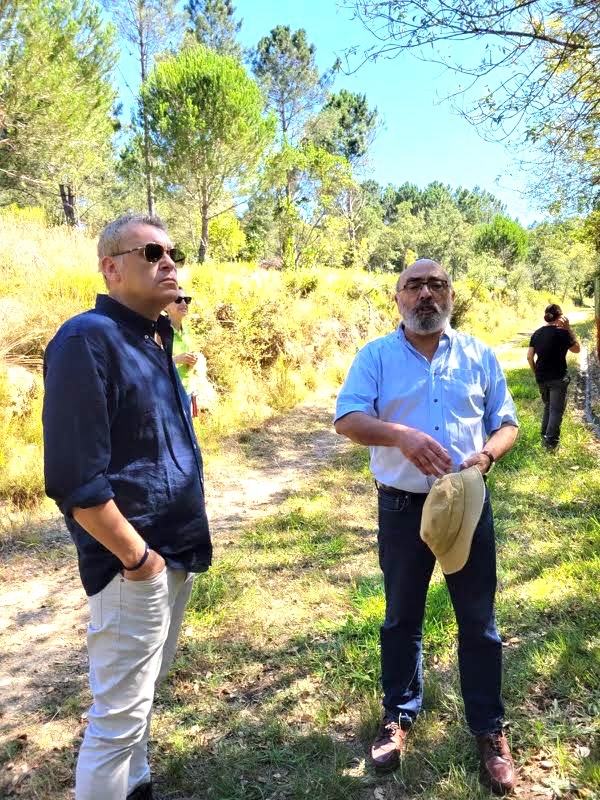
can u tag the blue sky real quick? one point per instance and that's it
(422, 139)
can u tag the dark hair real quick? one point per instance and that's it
(552, 312)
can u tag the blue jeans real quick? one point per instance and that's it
(554, 397)
(407, 564)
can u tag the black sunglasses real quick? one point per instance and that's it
(187, 300)
(153, 252)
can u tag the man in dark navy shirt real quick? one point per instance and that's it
(123, 464)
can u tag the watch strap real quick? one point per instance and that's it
(491, 457)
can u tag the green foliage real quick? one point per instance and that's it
(286, 388)
(208, 126)
(259, 226)
(396, 224)
(21, 479)
(285, 67)
(446, 236)
(207, 119)
(148, 26)
(56, 101)
(306, 182)
(303, 282)
(562, 258)
(210, 588)
(345, 126)
(478, 206)
(214, 25)
(226, 236)
(505, 239)
(537, 67)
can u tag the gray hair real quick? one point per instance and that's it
(109, 242)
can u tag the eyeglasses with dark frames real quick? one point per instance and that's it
(187, 300)
(435, 286)
(153, 252)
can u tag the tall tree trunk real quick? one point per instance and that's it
(351, 226)
(288, 240)
(148, 166)
(203, 249)
(68, 203)
(597, 313)
(142, 43)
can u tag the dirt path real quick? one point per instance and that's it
(43, 609)
(257, 470)
(506, 351)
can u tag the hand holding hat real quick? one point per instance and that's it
(450, 515)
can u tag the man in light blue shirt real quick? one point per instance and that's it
(428, 400)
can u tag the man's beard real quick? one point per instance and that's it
(420, 321)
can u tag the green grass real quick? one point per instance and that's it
(276, 689)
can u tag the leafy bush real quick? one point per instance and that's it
(302, 282)
(268, 336)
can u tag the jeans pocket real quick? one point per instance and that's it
(147, 583)
(95, 605)
(392, 502)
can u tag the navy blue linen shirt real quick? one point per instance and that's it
(117, 426)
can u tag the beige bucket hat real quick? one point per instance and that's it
(450, 515)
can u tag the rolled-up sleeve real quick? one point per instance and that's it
(76, 426)
(360, 390)
(499, 406)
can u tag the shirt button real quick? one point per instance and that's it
(437, 427)
(435, 399)
(146, 336)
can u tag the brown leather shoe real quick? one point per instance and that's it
(496, 765)
(388, 746)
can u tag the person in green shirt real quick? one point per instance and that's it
(183, 347)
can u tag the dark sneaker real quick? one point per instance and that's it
(143, 792)
(388, 746)
(496, 765)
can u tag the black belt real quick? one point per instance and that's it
(392, 490)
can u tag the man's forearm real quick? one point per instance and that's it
(106, 524)
(421, 449)
(502, 440)
(363, 429)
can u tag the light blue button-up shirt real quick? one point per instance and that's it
(459, 398)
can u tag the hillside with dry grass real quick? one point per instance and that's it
(270, 337)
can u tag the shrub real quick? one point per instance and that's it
(268, 336)
(302, 282)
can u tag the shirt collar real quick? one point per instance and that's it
(447, 333)
(120, 313)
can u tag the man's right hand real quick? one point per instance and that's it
(186, 358)
(422, 450)
(154, 564)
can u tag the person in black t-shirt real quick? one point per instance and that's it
(547, 358)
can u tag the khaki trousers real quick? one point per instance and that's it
(132, 637)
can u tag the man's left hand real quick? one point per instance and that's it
(477, 460)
